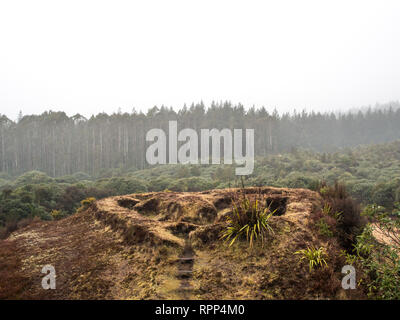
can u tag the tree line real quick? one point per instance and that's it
(61, 145)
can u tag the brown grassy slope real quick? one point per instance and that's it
(128, 247)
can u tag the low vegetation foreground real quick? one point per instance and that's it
(249, 243)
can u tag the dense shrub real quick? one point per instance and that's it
(160, 183)
(86, 203)
(121, 185)
(378, 249)
(190, 184)
(33, 177)
(347, 211)
(384, 194)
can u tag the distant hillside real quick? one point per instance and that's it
(60, 145)
(371, 175)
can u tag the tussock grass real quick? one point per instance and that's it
(249, 219)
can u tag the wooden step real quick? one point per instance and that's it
(185, 273)
(186, 259)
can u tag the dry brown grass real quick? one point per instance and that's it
(12, 282)
(113, 251)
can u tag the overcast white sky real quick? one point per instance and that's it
(92, 56)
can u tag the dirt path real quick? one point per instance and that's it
(185, 270)
(385, 236)
(129, 212)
